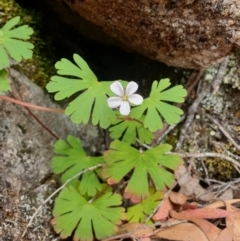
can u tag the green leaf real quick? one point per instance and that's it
(155, 106)
(11, 42)
(4, 81)
(74, 213)
(130, 129)
(124, 159)
(139, 212)
(92, 102)
(71, 159)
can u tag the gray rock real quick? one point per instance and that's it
(26, 149)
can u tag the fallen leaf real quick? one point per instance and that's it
(137, 230)
(220, 204)
(187, 206)
(234, 220)
(182, 232)
(228, 194)
(177, 198)
(209, 229)
(206, 213)
(226, 234)
(163, 211)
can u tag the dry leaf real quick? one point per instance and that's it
(209, 229)
(190, 185)
(226, 234)
(137, 230)
(163, 211)
(182, 232)
(221, 204)
(177, 198)
(206, 213)
(234, 220)
(228, 194)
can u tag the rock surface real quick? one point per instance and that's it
(26, 149)
(182, 33)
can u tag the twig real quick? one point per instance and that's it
(223, 131)
(206, 172)
(194, 107)
(169, 129)
(208, 154)
(55, 192)
(3, 97)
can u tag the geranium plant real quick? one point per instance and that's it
(93, 205)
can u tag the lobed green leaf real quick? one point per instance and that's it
(123, 159)
(139, 212)
(155, 107)
(11, 42)
(74, 213)
(92, 101)
(70, 159)
(130, 129)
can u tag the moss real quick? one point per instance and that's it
(220, 169)
(41, 66)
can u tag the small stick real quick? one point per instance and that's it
(3, 97)
(55, 192)
(208, 154)
(194, 107)
(223, 131)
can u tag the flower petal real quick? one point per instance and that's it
(117, 88)
(135, 99)
(114, 102)
(131, 88)
(125, 108)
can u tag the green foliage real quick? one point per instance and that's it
(129, 129)
(139, 212)
(122, 159)
(12, 44)
(155, 105)
(94, 95)
(71, 159)
(74, 213)
(4, 81)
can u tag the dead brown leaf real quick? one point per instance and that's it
(163, 211)
(182, 232)
(205, 213)
(234, 221)
(177, 198)
(137, 230)
(226, 234)
(209, 229)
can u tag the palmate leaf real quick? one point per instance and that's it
(4, 81)
(139, 212)
(122, 159)
(92, 102)
(11, 42)
(71, 159)
(155, 105)
(74, 213)
(129, 129)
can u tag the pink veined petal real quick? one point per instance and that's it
(114, 102)
(125, 108)
(117, 88)
(131, 88)
(135, 99)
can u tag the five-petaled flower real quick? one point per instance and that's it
(124, 97)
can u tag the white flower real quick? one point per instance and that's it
(124, 96)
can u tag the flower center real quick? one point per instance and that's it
(125, 98)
